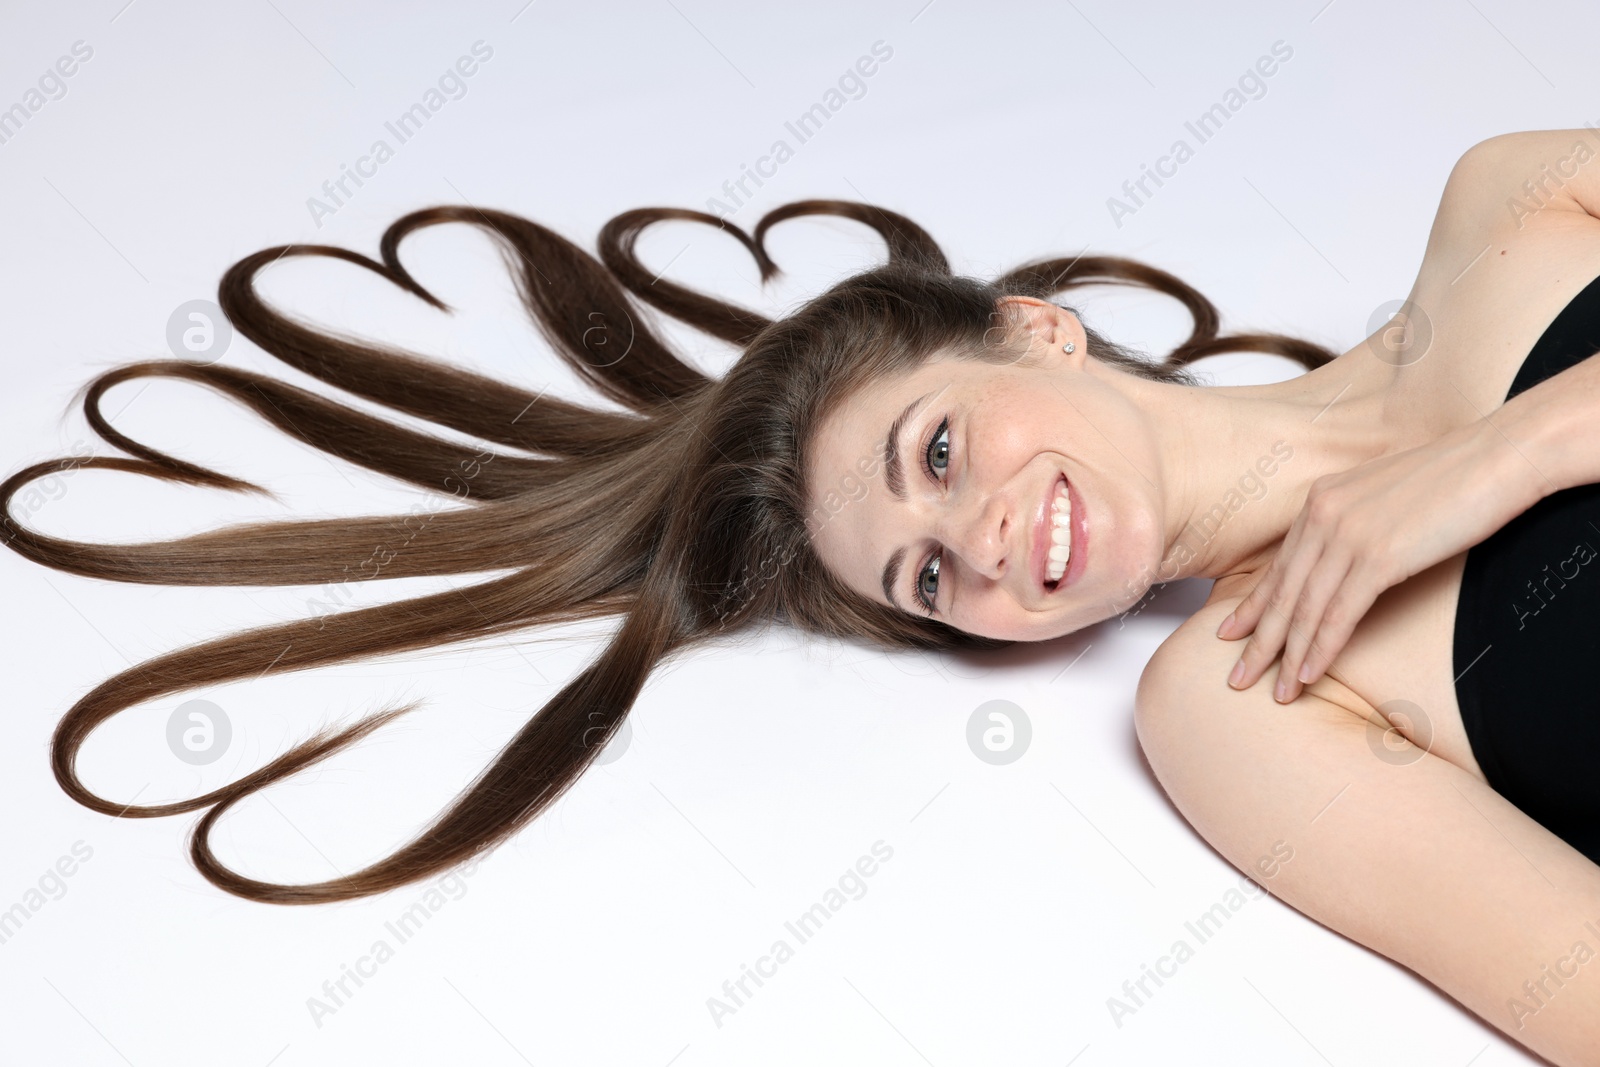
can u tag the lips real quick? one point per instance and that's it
(1041, 538)
(1080, 538)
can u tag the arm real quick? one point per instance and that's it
(1507, 183)
(1366, 529)
(1552, 429)
(1358, 533)
(1393, 846)
(1371, 527)
(1509, 177)
(1496, 184)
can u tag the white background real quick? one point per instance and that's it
(1018, 898)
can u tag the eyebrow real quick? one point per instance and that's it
(893, 468)
(891, 569)
(894, 476)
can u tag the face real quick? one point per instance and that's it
(982, 451)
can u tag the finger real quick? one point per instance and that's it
(1273, 626)
(1247, 616)
(1348, 607)
(1267, 640)
(1243, 619)
(1250, 612)
(1240, 622)
(1322, 585)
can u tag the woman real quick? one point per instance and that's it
(887, 462)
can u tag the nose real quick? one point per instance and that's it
(979, 535)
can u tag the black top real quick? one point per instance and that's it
(1527, 630)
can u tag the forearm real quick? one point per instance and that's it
(1547, 438)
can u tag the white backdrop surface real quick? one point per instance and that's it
(1006, 905)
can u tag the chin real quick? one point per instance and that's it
(1035, 629)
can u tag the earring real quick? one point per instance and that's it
(1069, 348)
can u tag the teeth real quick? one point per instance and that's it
(1060, 536)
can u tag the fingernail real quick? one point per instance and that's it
(1305, 674)
(1226, 623)
(1238, 674)
(1281, 693)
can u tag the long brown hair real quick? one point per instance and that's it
(685, 513)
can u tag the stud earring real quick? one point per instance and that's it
(1069, 348)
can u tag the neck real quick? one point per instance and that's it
(1236, 462)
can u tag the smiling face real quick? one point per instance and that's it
(981, 451)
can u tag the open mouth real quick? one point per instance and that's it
(1054, 537)
(1061, 529)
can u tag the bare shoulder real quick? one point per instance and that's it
(1537, 167)
(1515, 237)
(1194, 659)
(1505, 183)
(1379, 840)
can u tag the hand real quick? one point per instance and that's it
(1364, 530)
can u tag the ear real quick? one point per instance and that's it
(1049, 327)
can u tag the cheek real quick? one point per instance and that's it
(1014, 624)
(1004, 436)
(993, 613)
(1025, 422)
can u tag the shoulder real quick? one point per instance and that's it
(1382, 841)
(1554, 168)
(1511, 182)
(1202, 737)
(1193, 657)
(1183, 653)
(1188, 675)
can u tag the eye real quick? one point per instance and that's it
(935, 459)
(937, 450)
(927, 584)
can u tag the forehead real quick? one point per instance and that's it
(850, 510)
(850, 441)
